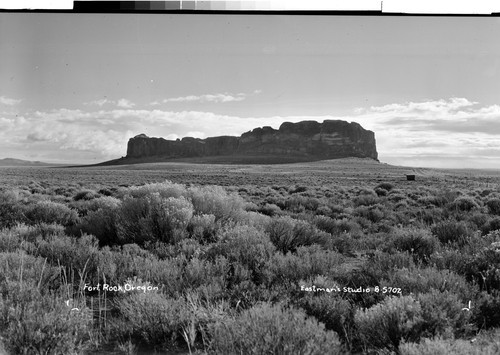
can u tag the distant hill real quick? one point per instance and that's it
(293, 142)
(19, 162)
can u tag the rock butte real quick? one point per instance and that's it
(302, 141)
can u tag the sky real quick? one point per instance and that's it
(75, 87)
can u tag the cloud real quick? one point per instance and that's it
(124, 103)
(8, 101)
(456, 127)
(452, 115)
(101, 102)
(214, 98)
(210, 98)
(438, 107)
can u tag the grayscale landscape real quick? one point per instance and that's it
(264, 184)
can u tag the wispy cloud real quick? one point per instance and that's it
(101, 102)
(123, 103)
(208, 98)
(212, 98)
(8, 101)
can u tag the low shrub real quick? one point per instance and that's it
(101, 223)
(270, 210)
(288, 234)
(443, 315)
(306, 263)
(383, 263)
(494, 206)
(336, 226)
(203, 228)
(152, 318)
(487, 310)
(266, 329)
(31, 271)
(423, 280)
(374, 213)
(419, 242)
(244, 245)
(366, 200)
(440, 346)
(85, 195)
(32, 323)
(11, 209)
(335, 313)
(464, 204)
(153, 218)
(380, 192)
(387, 186)
(491, 225)
(387, 324)
(80, 256)
(452, 232)
(51, 212)
(164, 189)
(216, 201)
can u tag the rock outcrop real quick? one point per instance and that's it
(302, 141)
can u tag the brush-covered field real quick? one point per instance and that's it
(333, 257)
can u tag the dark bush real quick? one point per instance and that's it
(288, 234)
(335, 313)
(373, 213)
(418, 242)
(387, 186)
(336, 226)
(380, 192)
(494, 206)
(270, 210)
(297, 189)
(366, 200)
(85, 195)
(477, 220)
(11, 209)
(464, 204)
(486, 310)
(452, 232)
(203, 228)
(387, 324)
(306, 263)
(245, 246)
(491, 225)
(443, 315)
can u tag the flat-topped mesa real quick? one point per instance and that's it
(306, 140)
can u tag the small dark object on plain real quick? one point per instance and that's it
(410, 177)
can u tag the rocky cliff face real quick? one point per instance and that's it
(306, 140)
